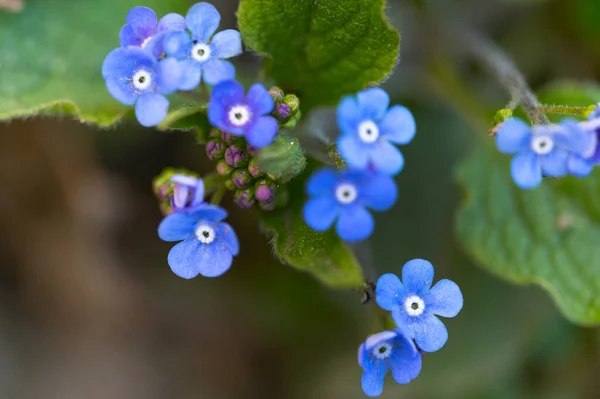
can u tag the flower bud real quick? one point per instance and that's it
(177, 190)
(229, 185)
(223, 169)
(293, 102)
(282, 113)
(265, 190)
(253, 168)
(215, 149)
(241, 178)
(277, 94)
(236, 157)
(244, 198)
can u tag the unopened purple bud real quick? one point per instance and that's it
(223, 169)
(277, 94)
(241, 178)
(293, 102)
(244, 198)
(236, 157)
(265, 190)
(253, 168)
(282, 112)
(187, 192)
(215, 149)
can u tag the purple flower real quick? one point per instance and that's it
(188, 192)
(414, 303)
(133, 76)
(207, 245)
(143, 30)
(388, 350)
(550, 150)
(344, 196)
(204, 53)
(248, 116)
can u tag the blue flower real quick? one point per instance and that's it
(550, 150)
(414, 305)
(143, 30)
(594, 126)
(204, 55)
(188, 192)
(133, 76)
(345, 195)
(207, 245)
(384, 351)
(369, 128)
(249, 117)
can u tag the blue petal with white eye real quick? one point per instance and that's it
(444, 299)
(389, 291)
(227, 234)
(226, 44)
(513, 136)
(202, 20)
(373, 103)
(379, 192)
(526, 170)
(176, 227)
(398, 125)
(262, 131)
(151, 109)
(320, 213)
(417, 276)
(355, 223)
(216, 71)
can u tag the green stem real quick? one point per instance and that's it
(564, 110)
(218, 195)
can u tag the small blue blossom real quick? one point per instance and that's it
(202, 52)
(369, 130)
(550, 150)
(344, 196)
(188, 192)
(133, 76)
(594, 126)
(414, 305)
(207, 245)
(248, 116)
(388, 350)
(143, 30)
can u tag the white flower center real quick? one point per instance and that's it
(142, 79)
(205, 234)
(146, 41)
(382, 350)
(201, 52)
(368, 131)
(414, 305)
(346, 193)
(239, 115)
(542, 145)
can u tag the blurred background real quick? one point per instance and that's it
(90, 309)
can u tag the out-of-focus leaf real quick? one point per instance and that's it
(283, 159)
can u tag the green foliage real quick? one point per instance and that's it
(547, 236)
(323, 254)
(52, 55)
(323, 49)
(283, 159)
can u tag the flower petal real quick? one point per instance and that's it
(151, 109)
(180, 195)
(417, 276)
(405, 360)
(355, 223)
(122, 63)
(262, 132)
(199, 195)
(398, 125)
(177, 44)
(209, 213)
(373, 376)
(320, 213)
(127, 37)
(171, 22)
(526, 170)
(373, 103)
(322, 182)
(142, 20)
(227, 234)
(176, 227)
(121, 90)
(513, 136)
(429, 332)
(555, 163)
(352, 151)
(226, 44)
(169, 75)
(217, 71)
(386, 158)
(348, 115)
(579, 141)
(444, 299)
(191, 257)
(389, 291)
(192, 74)
(379, 192)
(577, 166)
(203, 20)
(259, 100)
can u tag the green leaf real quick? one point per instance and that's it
(548, 236)
(283, 159)
(322, 49)
(324, 255)
(52, 56)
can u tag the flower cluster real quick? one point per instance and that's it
(555, 150)
(415, 305)
(158, 58)
(369, 130)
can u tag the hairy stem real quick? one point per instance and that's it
(564, 110)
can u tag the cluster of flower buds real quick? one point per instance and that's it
(237, 163)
